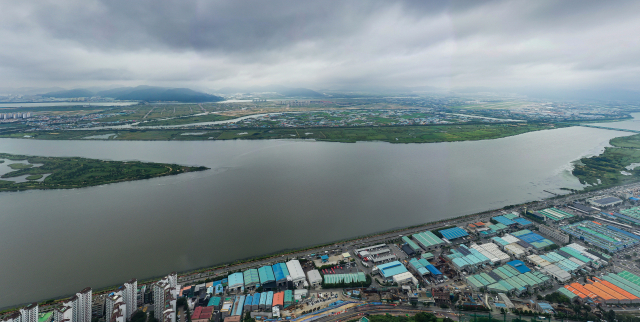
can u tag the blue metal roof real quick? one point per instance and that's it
(256, 299)
(522, 221)
(280, 271)
(453, 233)
(504, 220)
(269, 301)
(519, 266)
(239, 305)
(248, 300)
(391, 269)
(624, 232)
(433, 270)
(324, 257)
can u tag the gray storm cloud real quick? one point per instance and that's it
(320, 44)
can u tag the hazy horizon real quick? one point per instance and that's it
(510, 46)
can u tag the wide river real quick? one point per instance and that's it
(259, 197)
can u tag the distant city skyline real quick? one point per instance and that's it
(493, 45)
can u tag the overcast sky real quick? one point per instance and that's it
(321, 44)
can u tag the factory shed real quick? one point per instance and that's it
(345, 278)
(427, 239)
(248, 301)
(411, 244)
(263, 301)
(557, 272)
(281, 272)
(266, 275)
(404, 278)
(564, 291)
(288, 298)
(238, 305)
(453, 233)
(515, 250)
(295, 271)
(427, 256)
(215, 301)
(433, 270)
(389, 269)
(268, 301)
(315, 279)
(522, 222)
(255, 304)
(504, 220)
(519, 266)
(236, 281)
(407, 250)
(251, 278)
(278, 299)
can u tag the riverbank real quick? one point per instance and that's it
(71, 173)
(615, 166)
(390, 134)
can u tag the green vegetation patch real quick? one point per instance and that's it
(391, 134)
(188, 120)
(68, 173)
(607, 169)
(17, 166)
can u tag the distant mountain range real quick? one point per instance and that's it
(282, 90)
(141, 93)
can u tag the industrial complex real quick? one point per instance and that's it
(504, 262)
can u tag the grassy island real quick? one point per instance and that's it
(613, 167)
(391, 134)
(73, 172)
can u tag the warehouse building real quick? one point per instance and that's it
(492, 252)
(278, 300)
(555, 234)
(314, 278)
(516, 250)
(288, 298)
(236, 282)
(255, 304)
(238, 306)
(215, 302)
(345, 278)
(296, 272)
(604, 201)
(251, 278)
(427, 240)
(411, 244)
(405, 278)
(267, 278)
(469, 259)
(281, 274)
(553, 214)
(248, 301)
(418, 266)
(537, 241)
(601, 236)
(388, 270)
(556, 272)
(508, 279)
(453, 233)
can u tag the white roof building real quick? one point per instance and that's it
(515, 250)
(404, 278)
(538, 261)
(510, 238)
(557, 272)
(314, 277)
(295, 271)
(492, 252)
